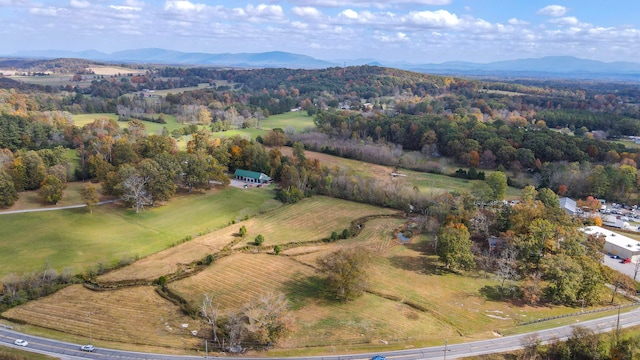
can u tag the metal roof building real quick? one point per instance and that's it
(251, 176)
(617, 244)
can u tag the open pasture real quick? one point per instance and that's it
(310, 219)
(134, 316)
(241, 278)
(376, 235)
(78, 240)
(425, 182)
(298, 120)
(114, 70)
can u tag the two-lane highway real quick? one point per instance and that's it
(64, 350)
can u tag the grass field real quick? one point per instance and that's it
(425, 182)
(152, 127)
(298, 120)
(134, 316)
(311, 219)
(411, 300)
(74, 238)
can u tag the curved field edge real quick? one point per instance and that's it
(76, 240)
(409, 301)
(310, 219)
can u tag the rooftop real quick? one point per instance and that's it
(613, 238)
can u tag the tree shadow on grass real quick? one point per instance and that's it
(301, 290)
(427, 265)
(490, 292)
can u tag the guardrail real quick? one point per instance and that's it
(608, 308)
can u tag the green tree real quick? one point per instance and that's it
(564, 275)
(51, 189)
(497, 181)
(346, 272)
(159, 181)
(277, 250)
(89, 195)
(259, 240)
(8, 193)
(454, 247)
(548, 198)
(35, 170)
(243, 231)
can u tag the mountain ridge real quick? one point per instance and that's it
(537, 67)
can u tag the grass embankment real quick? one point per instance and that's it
(74, 238)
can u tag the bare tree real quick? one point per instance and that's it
(210, 312)
(636, 269)
(506, 270)
(134, 191)
(530, 344)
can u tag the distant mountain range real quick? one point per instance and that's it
(551, 66)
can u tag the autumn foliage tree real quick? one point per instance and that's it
(454, 247)
(346, 273)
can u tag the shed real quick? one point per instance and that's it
(617, 244)
(568, 205)
(251, 176)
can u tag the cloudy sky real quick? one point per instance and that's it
(414, 31)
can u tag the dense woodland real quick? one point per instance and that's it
(558, 134)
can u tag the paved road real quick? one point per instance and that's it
(65, 350)
(53, 208)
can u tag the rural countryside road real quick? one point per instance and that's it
(64, 350)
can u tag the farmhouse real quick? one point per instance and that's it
(251, 176)
(617, 244)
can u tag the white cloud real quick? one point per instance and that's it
(438, 18)
(125, 8)
(367, 3)
(79, 4)
(306, 11)
(183, 6)
(260, 13)
(568, 20)
(50, 11)
(553, 10)
(514, 21)
(397, 37)
(349, 14)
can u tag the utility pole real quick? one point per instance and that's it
(445, 349)
(206, 348)
(90, 335)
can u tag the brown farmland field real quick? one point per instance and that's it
(411, 300)
(241, 278)
(134, 316)
(310, 219)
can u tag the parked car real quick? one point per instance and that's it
(89, 348)
(379, 357)
(626, 261)
(614, 257)
(21, 342)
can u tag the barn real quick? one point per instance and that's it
(251, 176)
(617, 244)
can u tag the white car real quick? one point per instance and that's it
(89, 348)
(21, 342)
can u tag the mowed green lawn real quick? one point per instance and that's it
(299, 120)
(74, 238)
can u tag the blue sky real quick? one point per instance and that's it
(413, 31)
